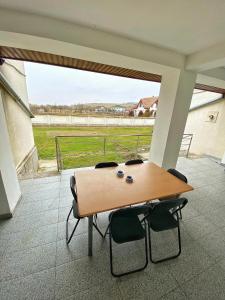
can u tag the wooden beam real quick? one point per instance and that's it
(69, 62)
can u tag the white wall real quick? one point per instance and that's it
(88, 121)
(18, 122)
(9, 187)
(208, 137)
(20, 129)
(14, 72)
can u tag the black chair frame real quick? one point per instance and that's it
(106, 165)
(74, 209)
(173, 213)
(180, 176)
(169, 257)
(111, 249)
(134, 162)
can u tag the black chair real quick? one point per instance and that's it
(106, 165)
(101, 165)
(125, 226)
(164, 216)
(74, 208)
(181, 177)
(178, 175)
(134, 162)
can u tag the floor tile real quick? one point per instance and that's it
(78, 248)
(36, 286)
(153, 283)
(31, 238)
(35, 207)
(199, 227)
(214, 244)
(81, 274)
(22, 263)
(192, 261)
(100, 292)
(176, 294)
(32, 243)
(28, 221)
(208, 285)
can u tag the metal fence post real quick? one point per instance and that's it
(137, 144)
(57, 153)
(104, 144)
(189, 146)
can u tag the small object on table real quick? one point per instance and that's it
(120, 173)
(129, 179)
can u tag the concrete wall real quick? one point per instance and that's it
(209, 136)
(18, 121)
(9, 187)
(15, 73)
(88, 121)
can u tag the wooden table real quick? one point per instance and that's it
(101, 190)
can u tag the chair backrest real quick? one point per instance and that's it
(178, 175)
(129, 211)
(73, 187)
(134, 162)
(175, 205)
(106, 165)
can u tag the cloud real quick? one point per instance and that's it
(57, 85)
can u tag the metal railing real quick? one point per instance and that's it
(76, 151)
(186, 144)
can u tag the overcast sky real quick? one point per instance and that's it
(57, 85)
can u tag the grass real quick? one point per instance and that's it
(86, 151)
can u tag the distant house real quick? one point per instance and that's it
(118, 109)
(100, 109)
(149, 104)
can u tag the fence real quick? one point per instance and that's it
(84, 151)
(54, 120)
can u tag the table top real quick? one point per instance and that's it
(100, 190)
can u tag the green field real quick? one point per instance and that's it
(86, 151)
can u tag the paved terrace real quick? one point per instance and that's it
(36, 263)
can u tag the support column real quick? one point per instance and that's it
(223, 159)
(9, 186)
(174, 102)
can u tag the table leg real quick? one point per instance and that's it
(90, 235)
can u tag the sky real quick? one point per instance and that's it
(63, 86)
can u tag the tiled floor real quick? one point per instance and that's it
(35, 262)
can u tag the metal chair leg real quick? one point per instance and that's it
(133, 271)
(167, 258)
(69, 239)
(106, 232)
(67, 219)
(96, 227)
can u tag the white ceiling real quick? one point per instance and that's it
(185, 26)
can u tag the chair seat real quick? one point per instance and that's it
(162, 221)
(127, 229)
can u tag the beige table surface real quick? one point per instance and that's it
(100, 190)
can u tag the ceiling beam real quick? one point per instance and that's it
(12, 21)
(204, 82)
(210, 58)
(63, 61)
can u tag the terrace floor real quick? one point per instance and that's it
(35, 262)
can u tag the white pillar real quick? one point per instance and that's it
(9, 186)
(223, 159)
(174, 102)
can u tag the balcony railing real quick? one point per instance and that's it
(76, 151)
